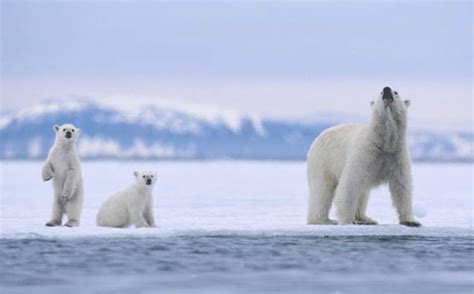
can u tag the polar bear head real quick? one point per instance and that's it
(145, 178)
(66, 134)
(390, 105)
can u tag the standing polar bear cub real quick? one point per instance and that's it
(64, 167)
(345, 162)
(132, 206)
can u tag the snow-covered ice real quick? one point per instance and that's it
(234, 197)
(233, 226)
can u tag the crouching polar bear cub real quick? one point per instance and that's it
(132, 206)
(64, 167)
(346, 161)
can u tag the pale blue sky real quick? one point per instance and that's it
(206, 52)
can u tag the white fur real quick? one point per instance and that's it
(64, 167)
(132, 206)
(345, 162)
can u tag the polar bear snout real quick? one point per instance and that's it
(387, 94)
(148, 181)
(68, 135)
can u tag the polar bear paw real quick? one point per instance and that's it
(72, 223)
(365, 221)
(322, 222)
(64, 198)
(413, 223)
(53, 223)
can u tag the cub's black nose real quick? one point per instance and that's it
(387, 93)
(68, 135)
(148, 181)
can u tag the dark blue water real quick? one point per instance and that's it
(222, 264)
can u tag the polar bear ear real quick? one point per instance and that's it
(136, 174)
(407, 103)
(372, 103)
(56, 128)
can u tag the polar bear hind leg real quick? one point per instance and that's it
(321, 195)
(349, 192)
(56, 214)
(361, 218)
(73, 212)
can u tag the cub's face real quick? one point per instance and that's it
(389, 102)
(66, 133)
(145, 178)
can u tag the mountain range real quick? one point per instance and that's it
(173, 131)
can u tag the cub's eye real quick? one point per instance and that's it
(64, 130)
(143, 176)
(152, 176)
(72, 130)
(395, 93)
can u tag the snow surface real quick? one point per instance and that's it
(231, 198)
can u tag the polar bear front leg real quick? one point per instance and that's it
(47, 171)
(401, 192)
(149, 216)
(138, 220)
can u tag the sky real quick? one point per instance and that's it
(276, 59)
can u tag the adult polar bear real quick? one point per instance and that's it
(346, 161)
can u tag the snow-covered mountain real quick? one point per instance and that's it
(170, 131)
